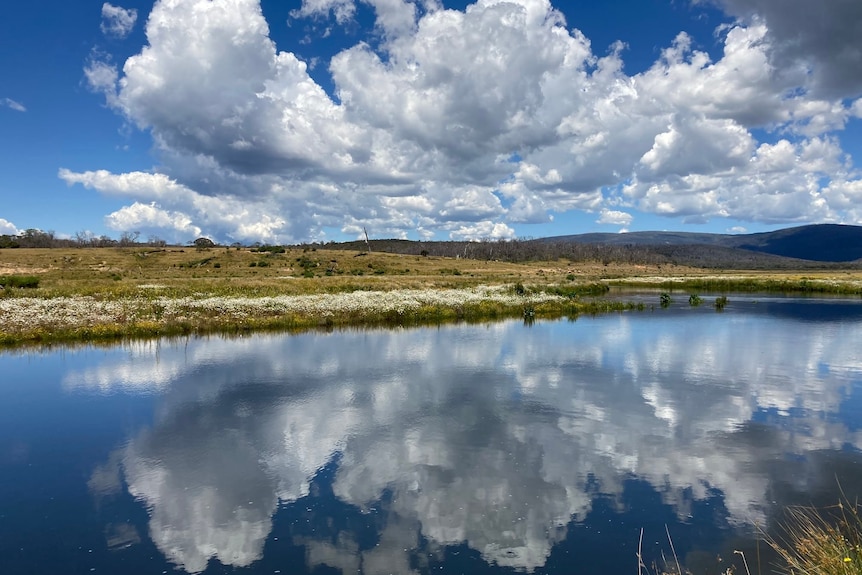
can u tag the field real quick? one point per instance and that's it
(84, 294)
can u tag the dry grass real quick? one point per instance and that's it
(825, 542)
(223, 271)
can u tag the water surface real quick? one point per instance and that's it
(494, 448)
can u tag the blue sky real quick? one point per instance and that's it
(288, 121)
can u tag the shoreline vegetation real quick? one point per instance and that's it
(82, 295)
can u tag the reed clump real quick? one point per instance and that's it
(827, 542)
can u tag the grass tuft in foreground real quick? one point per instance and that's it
(822, 542)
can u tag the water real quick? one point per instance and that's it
(546, 448)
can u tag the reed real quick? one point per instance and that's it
(821, 542)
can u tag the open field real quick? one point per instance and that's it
(103, 293)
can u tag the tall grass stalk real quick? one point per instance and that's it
(818, 542)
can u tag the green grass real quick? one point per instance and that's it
(16, 281)
(752, 284)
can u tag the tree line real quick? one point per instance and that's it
(515, 250)
(35, 238)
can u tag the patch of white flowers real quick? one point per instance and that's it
(18, 315)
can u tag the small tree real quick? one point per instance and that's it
(203, 244)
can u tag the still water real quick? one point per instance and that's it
(545, 448)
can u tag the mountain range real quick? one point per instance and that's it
(819, 242)
(803, 247)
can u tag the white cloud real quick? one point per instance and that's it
(822, 37)
(614, 217)
(179, 212)
(151, 217)
(102, 77)
(10, 103)
(498, 114)
(779, 184)
(8, 228)
(342, 10)
(483, 231)
(117, 21)
(720, 146)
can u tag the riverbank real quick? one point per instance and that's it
(80, 295)
(82, 318)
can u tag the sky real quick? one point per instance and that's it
(285, 121)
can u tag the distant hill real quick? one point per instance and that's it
(819, 243)
(824, 246)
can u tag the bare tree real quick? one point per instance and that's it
(129, 239)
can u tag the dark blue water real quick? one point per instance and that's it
(558, 447)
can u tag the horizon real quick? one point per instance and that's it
(305, 122)
(131, 239)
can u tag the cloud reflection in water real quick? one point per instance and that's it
(492, 436)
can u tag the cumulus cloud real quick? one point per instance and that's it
(172, 208)
(461, 123)
(116, 21)
(102, 77)
(10, 103)
(483, 230)
(614, 217)
(821, 36)
(8, 228)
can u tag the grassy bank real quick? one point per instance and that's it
(76, 318)
(54, 295)
(842, 283)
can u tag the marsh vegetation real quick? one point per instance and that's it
(65, 294)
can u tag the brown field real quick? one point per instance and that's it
(228, 270)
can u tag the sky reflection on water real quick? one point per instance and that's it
(536, 447)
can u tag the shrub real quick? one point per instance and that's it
(720, 302)
(270, 249)
(664, 299)
(694, 300)
(19, 281)
(203, 243)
